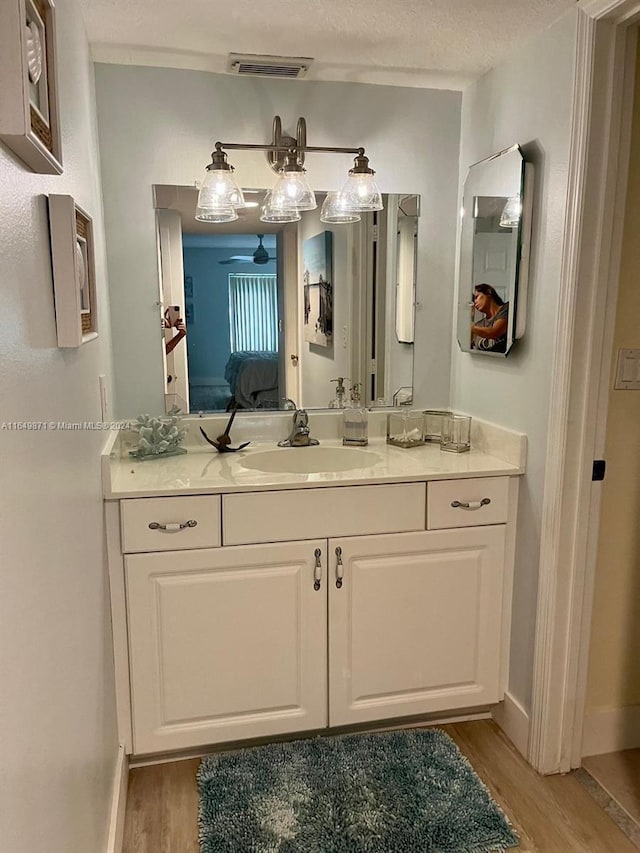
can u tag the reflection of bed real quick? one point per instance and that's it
(208, 394)
(253, 379)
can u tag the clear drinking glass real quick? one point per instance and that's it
(456, 433)
(433, 424)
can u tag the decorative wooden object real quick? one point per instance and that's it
(29, 113)
(74, 279)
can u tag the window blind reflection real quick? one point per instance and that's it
(253, 312)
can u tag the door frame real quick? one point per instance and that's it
(171, 264)
(290, 313)
(598, 168)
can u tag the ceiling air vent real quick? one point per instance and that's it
(268, 66)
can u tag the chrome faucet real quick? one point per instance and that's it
(299, 435)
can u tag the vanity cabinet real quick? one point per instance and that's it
(224, 642)
(414, 623)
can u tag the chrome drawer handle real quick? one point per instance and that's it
(470, 504)
(317, 572)
(172, 525)
(339, 567)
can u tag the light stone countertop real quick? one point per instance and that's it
(204, 471)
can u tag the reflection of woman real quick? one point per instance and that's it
(490, 332)
(181, 332)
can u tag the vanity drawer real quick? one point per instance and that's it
(291, 514)
(172, 515)
(486, 499)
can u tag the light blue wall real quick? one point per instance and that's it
(158, 126)
(527, 99)
(208, 339)
(58, 731)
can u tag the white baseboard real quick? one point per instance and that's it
(118, 802)
(514, 722)
(611, 730)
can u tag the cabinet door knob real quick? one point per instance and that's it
(172, 525)
(339, 567)
(470, 504)
(317, 572)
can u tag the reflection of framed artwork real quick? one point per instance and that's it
(189, 314)
(188, 287)
(317, 260)
(74, 281)
(29, 117)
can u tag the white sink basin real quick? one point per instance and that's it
(309, 460)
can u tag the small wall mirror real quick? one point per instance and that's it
(277, 311)
(494, 253)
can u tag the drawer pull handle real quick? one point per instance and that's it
(339, 567)
(317, 572)
(172, 526)
(470, 504)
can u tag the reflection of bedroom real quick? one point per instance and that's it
(232, 322)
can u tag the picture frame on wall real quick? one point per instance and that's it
(74, 279)
(317, 281)
(29, 111)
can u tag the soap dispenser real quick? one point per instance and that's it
(341, 393)
(355, 428)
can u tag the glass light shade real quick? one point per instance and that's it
(361, 193)
(510, 216)
(225, 214)
(334, 209)
(292, 190)
(219, 190)
(270, 213)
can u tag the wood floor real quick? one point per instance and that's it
(619, 774)
(552, 814)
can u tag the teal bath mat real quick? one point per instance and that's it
(407, 791)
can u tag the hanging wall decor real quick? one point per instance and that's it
(72, 255)
(29, 116)
(317, 261)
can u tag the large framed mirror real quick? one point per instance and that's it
(257, 314)
(494, 253)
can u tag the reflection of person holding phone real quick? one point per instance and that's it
(490, 332)
(172, 320)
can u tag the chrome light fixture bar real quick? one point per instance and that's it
(220, 196)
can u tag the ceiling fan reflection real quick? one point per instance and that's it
(260, 256)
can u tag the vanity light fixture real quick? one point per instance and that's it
(222, 214)
(221, 196)
(292, 190)
(334, 210)
(510, 216)
(360, 192)
(270, 212)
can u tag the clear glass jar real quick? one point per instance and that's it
(433, 424)
(456, 433)
(405, 429)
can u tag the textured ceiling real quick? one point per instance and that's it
(441, 43)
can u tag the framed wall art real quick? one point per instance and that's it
(29, 113)
(74, 279)
(317, 260)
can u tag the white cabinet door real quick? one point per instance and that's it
(415, 626)
(226, 643)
